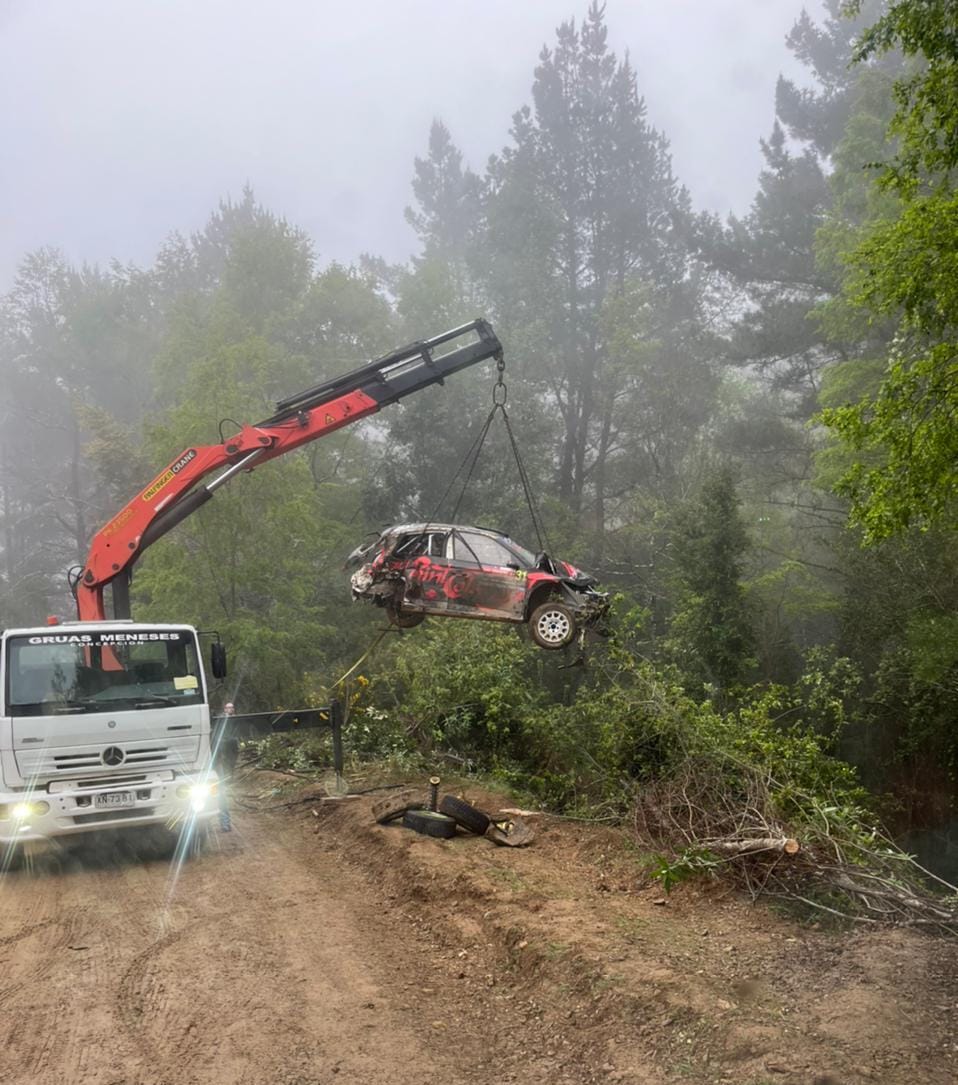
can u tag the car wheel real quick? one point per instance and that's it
(464, 814)
(404, 619)
(430, 823)
(552, 625)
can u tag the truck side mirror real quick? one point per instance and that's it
(218, 659)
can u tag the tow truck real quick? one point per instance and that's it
(105, 722)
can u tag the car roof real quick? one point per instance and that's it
(429, 525)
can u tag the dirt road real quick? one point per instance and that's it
(311, 947)
(265, 961)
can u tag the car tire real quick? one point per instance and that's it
(394, 806)
(464, 814)
(430, 823)
(552, 625)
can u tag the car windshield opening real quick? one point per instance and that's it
(526, 557)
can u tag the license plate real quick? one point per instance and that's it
(114, 800)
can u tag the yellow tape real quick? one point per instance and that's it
(359, 662)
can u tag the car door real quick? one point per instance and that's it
(486, 579)
(424, 563)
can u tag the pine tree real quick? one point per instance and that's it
(711, 634)
(582, 203)
(448, 198)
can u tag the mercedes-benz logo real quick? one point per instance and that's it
(113, 755)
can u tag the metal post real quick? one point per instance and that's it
(336, 723)
(121, 594)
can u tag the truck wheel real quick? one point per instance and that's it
(191, 841)
(464, 814)
(430, 823)
(552, 625)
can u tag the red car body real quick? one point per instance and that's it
(453, 570)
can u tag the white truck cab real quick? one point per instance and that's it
(103, 725)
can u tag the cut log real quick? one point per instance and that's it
(784, 845)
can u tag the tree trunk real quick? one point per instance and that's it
(782, 844)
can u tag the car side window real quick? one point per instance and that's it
(481, 550)
(437, 544)
(426, 543)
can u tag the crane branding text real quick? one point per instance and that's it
(169, 474)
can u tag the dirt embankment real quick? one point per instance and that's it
(311, 946)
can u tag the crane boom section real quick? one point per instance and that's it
(176, 492)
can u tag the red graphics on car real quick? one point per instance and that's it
(416, 571)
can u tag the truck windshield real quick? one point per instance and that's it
(110, 671)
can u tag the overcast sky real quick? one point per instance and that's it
(123, 120)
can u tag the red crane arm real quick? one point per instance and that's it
(175, 493)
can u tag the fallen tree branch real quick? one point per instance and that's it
(728, 825)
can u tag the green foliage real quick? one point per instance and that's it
(916, 699)
(588, 743)
(927, 96)
(904, 270)
(71, 349)
(933, 645)
(827, 693)
(462, 686)
(711, 634)
(908, 446)
(690, 864)
(304, 753)
(904, 432)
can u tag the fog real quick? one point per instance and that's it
(124, 121)
(714, 606)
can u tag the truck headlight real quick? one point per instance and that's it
(197, 794)
(23, 811)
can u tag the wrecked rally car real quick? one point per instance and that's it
(454, 571)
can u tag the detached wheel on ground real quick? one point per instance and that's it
(464, 814)
(552, 625)
(430, 823)
(394, 806)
